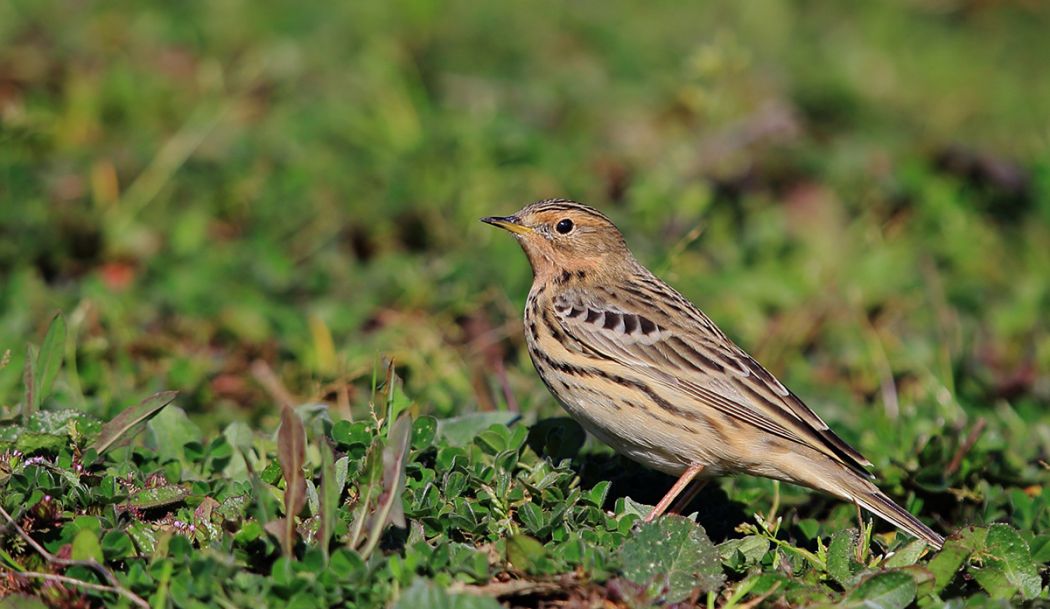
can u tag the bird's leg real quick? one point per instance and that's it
(687, 497)
(683, 481)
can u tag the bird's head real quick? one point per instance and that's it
(562, 236)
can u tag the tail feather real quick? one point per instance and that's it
(876, 502)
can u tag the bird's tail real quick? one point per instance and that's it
(876, 502)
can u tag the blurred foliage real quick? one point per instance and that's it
(255, 204)
(253, 520)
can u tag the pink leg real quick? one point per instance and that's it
(683, 481)
(687, 497)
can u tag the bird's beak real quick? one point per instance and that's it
(510, 223)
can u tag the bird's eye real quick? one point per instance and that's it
(564, 226)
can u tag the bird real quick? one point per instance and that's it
(645, 371)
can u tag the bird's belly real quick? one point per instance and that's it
(632, 427)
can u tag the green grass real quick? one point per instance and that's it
(258, 205)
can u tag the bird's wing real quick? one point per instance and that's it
(682, 348)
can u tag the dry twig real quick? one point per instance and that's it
(964, 448)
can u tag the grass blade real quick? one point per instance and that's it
(129, 422)
(29, 380)
(371, 474)
(291, 453)
(49, 360)
(390, 508)
(331, 490)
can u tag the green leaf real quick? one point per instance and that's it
(143, 536)
(239, 436)
(887, 590)
(159, 496)
(467, 560)
(956, 550)
(809, 527)
(1040, 548)
(21, 601)
(345, 563)
(742, 553)
(425, 595)
(169, 431)
(629, 507)
(313, 499)
(86, 546)
(30, 443)
(492, 440)
(117, 545)
(350, 433)
(342, 467)
(596, 496)
(89, 523)
(842, 553)
(673, 557)
(1008, 567)
(461, 430)
(532, 517)
(49, 360)
(424, 430)
(126, 424)
(58, 422)
(251, 531)
(525, 553)
(907, 555)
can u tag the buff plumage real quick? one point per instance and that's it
(644, 370)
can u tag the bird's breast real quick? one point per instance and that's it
(616, 404)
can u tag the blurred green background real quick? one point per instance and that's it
(237, 199)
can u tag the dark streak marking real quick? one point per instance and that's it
(552, 327)
(639, 293)
(696, 356)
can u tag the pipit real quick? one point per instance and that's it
(645, 371)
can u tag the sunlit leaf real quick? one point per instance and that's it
(888, 590)
(673, 557)
(130, 421)
(49, 361)
(1008, 567)
(86, 546)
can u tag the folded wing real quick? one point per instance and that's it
(685, 350)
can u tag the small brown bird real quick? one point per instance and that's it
(645, 371)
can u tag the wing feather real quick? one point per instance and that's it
(697, 359)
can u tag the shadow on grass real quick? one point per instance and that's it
(561, 437)
(716, 512)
